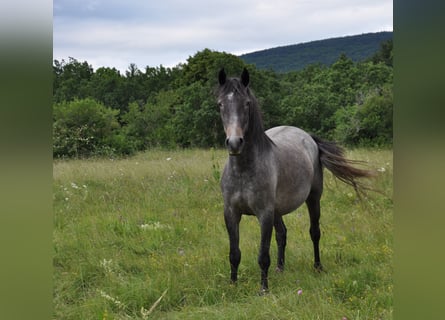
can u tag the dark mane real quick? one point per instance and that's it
(256, 126)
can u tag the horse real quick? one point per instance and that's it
(271, 173)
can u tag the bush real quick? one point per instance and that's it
(367, 124)
(375, 116)
(84, 128)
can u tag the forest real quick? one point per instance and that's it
(103, 112)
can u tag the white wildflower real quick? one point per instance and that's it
(74, 185)
(107, 265)
(168, 159)
(154, 226)
(381, 169)
(117, 302)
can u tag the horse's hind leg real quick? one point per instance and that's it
(280, 236)
(313, 205)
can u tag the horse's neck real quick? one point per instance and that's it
(251, 157)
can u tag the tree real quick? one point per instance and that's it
(385, 54)
(71, 80)
(309, 107)
(203, 67)
(108, 87)
(196, 118)
(134, 86)
(343, 81)
(150, 125)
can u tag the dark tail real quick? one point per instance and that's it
(332, 157)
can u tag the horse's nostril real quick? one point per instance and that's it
(234, 144)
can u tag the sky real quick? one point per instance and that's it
(116, 33)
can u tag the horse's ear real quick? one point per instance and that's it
(222, 76)
(245, 77)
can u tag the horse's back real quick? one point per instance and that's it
(294, 140)
(296, 155)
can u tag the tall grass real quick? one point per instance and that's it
(144, 237)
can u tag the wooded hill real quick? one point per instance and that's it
(298, 56)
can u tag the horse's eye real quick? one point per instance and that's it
(220, 105)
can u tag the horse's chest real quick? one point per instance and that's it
(247, 193)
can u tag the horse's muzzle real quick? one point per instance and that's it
(234, 145)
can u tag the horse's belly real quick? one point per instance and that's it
(296, 155)
(289, 200)
(294, 184)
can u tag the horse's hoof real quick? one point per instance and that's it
(318, 267)
(263, 291)
(279, 269)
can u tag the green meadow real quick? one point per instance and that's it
(143, 237)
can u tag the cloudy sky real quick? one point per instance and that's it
(115, 33)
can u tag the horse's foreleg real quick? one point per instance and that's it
(266, 223)
(313, 205)
(232, 225)
(280, 237)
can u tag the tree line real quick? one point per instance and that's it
(105, 113)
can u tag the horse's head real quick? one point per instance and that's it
(234, 102)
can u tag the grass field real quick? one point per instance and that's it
(144, 238)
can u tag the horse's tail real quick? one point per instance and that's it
(332, 157)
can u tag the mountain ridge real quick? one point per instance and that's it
(295, 57)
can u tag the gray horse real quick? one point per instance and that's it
(269, 174)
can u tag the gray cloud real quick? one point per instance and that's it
(117, 33)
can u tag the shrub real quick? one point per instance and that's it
(83, 128)
(369, 123)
